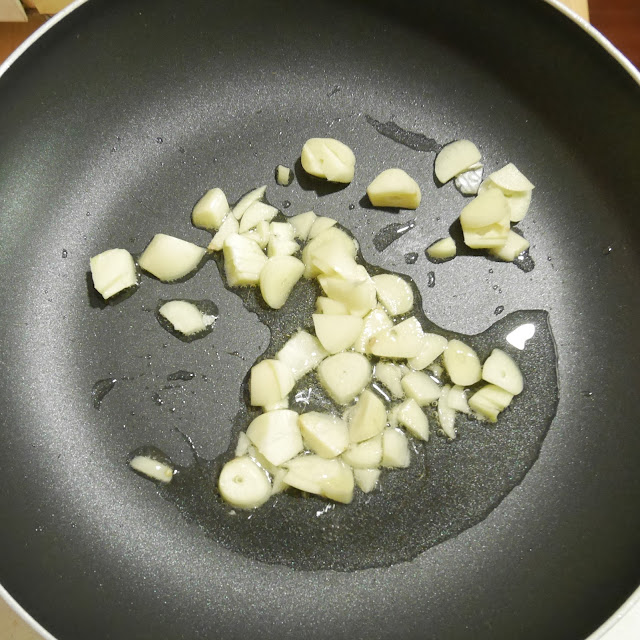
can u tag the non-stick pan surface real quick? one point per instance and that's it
(113, 124)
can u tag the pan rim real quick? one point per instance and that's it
(634, 598)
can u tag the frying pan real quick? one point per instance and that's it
(115, 121)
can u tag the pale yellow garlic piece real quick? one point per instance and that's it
(394, 188)
(443, 249)
(169, 258)
(277, 278)
(329, 478)
(462, 363)
(113, 271)
(328, 158)
(455, 158)
(276, 435)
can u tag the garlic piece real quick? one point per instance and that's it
(394, 188)
(455, 158)
(323, 433)
(443, 249)
(210, 210)
(185, 317)
(276, 435)
(328, 158)
(152, 468)
(394, 293)
(169, 258)
(243, 484)
(277, 278)
(462, 363)
(501, 369)
(113, 271)
(344, 375)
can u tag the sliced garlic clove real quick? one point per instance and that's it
(455, 158)
(462, 363)
(443, 249)
(364, 455)
(394, 188)
(395, 449)
(243, 484)
(395, 293)
(328, 158)
(489, 401)
(324, 434)
(247, 200)
(243, 261)
(368, 418)
(113, 271)
(276, 435)
(228, 227)
(336, 332)
(512, 248)
(501, 370)
(152, 468)
(169, 258)
(366, 479)
(185, 317)
(410, 416)
(446, 415)
(344, 375)
(510, 178)
(277, 278)
(270, 381)
(302, 224)
(421, 387)
(210, 210)
(302, 353)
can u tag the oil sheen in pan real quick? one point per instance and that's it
(449, 487)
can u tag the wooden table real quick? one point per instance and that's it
(12, 34)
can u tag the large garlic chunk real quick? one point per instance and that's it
(489, 401)
(501, 369)
(443, 249)
(169, 258)
(256, 212)
(323, 433)
(277, 278)
(210, 210)
(302, 353)
(270, 382)
(302, 224)
(243, 484)
(374, 322)
(344, 375)
(395, 449)
(422, 388)
(281, 239)
(243, 261)
(185, 317)
(509, 178)
(485, 220)
(364, 455)
(394, 293)
(368, 418)
(366, 479)
(228, 227)
(390, 375)
(462, 363)
(329, 478)
(328, 158)
(152, 468)
(336, 332)
(432, 346)
(410, 416)
(276, 435)
(113, 271)
(394, 188)
(455, 158)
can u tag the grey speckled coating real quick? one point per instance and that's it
(116, 121)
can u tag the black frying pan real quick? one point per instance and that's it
(115, 121)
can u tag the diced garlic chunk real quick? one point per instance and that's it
(366, 479)
(501, 369)
(302, 353)
(323, 433)
(368, 418)
(243, 484)
(358, 295)
(344, 375)
(455, 158)
(302, 224)
(270, 382)
(336, 332)
(332, 307)
(284, 175)
(277, 279)
(432, 346)
(395, 449)
(509, 178)
(152, 468)
(229, 226)
(113, 271)
(489, 401)
(319, 225)
(256, 212)
(512, 248)
(329, 478)
(394, 188)
(169, 258)
(243, 261)
(247, 200)
(281, 239)
(364, 455)
(410, 416)
(421, 387)
(375, 321)
(185, 317)
(443, 249)
(210, 210)
(490, 207)
(446, 415)
(328, 158)
(518, 201)
(457, 399)
(276, 435)
(395, 293)
(462, 363)
(403, 340)
(390, 375)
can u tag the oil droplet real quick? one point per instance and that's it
(286, 204)
(181, 375)
(352, 207)
(159, 140)
(607, 250)
(100, 389)
(495, 287)
(411, 257)
(588, 394)
(524, 262)
(431, 279)
(113, 149)
(157, 399)
(64, 253)
(490, 270)
(498, 310)
(391, 233)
